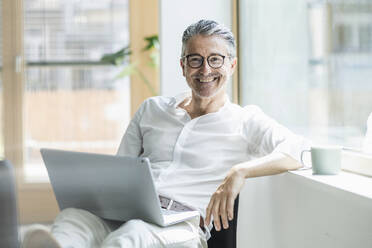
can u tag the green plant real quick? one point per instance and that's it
(121, 58)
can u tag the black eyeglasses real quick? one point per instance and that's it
(196, 60)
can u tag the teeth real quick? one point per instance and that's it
(206, 80)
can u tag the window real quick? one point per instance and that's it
(71, 100)
(308, 64)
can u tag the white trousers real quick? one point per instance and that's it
(76, 228)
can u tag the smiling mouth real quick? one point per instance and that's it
(207, 80)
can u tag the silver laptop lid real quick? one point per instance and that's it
(112, 187)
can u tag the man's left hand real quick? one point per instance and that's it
(221, 205)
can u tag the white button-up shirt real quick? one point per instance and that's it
(191, 157)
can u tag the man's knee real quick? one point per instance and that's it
(135, 222)
(80, 227)
(73, 215)
(135, 225)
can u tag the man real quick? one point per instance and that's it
(201, 146)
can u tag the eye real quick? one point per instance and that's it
(194, 59)
(215, 59)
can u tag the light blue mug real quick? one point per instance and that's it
(325, 160)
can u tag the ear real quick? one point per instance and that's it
(183, 67)
(233, 65)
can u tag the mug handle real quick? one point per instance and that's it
(302, 161)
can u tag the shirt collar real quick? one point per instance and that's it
(176, 100)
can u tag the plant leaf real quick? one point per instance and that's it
(117, 57)
(152, 42)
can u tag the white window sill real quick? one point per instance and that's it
(360, 163)
(346, 181)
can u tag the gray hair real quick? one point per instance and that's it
(209, 27)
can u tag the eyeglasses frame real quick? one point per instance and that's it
(203, 59)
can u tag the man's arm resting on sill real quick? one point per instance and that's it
(221, 204)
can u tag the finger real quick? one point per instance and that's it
(209, 212)
(223, 213)
(216, 215)
(230, 207)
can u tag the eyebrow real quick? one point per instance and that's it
(193, 54)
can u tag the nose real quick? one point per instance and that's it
(205, 69)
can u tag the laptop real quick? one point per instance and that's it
(112, 187)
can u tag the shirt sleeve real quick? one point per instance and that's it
(266, 136)
(131, 143)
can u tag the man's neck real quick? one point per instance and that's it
(199, 106)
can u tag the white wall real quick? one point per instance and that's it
(175, 16)
(290, 211)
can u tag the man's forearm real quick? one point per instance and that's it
(221, 205)
(271, 164)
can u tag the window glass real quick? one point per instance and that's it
(308, 64)
(75, 106)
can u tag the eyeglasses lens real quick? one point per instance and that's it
(214, 61)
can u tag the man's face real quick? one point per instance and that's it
(206, 81)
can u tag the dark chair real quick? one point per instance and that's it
(226, 238)
(8, 207)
